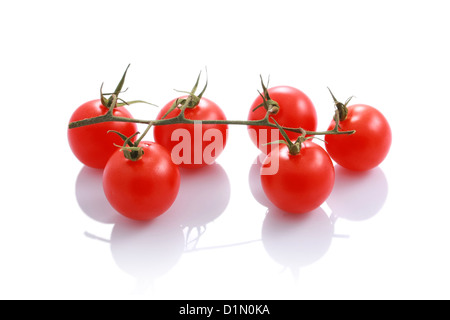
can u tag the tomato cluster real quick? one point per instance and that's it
(141, 179)
(304, 179)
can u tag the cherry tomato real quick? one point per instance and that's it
(368, 146)
(193, 145)
(302, 182)
(92, 144)
(295, 110)
(145, 188)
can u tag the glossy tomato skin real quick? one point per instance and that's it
(296, 110)
(142, 189)
(368, 146)
(303, 182)
(199, 136)
(92, 144)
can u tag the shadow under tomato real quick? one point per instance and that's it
(357, 196)
(254, 181)
(204, 195)
(292, 240)
(147, 250)
(297, 240)
(91, 198)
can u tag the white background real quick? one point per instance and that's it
(381, 235)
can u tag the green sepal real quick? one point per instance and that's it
(122, 81)
(196, 84)
(127, 103)
(175, 105)
(204, 88)
(127, 140)
(270, 105)
(102, 97)
(258, 106)
(132, 153)
(266, 92)
(341, 107)
(108, 102)
(193, 99)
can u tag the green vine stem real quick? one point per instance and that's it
(191, 101)
(181, 119)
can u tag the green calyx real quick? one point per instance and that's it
(131, 150)
(294, 147)
(133, 153)
(341, 107)
(113, 100)
(191, 101)
(270, 105)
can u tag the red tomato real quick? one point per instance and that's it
(296, 110)
(92, 144)
(368, 146)
(302, 182)
(145, 188)
(193, 145)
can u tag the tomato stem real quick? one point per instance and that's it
(341, 107)
(270, 105)
(111, 102)
(181, 119)
(144, 134)
(131, 150)
(192, 100)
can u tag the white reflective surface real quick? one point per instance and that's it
(381, 234)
